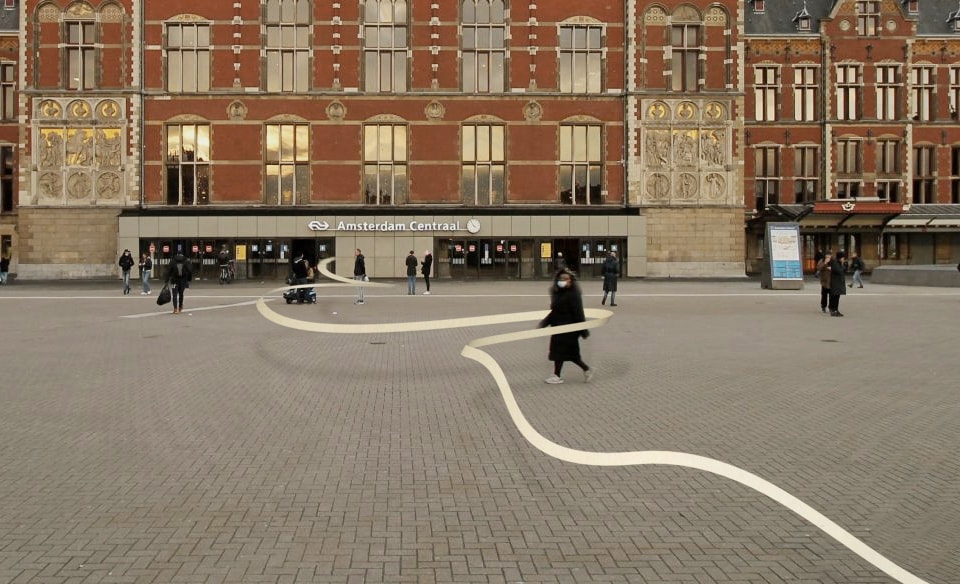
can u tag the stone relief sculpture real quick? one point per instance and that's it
(51, 150)
(657, 148)
(79, 148)
(108, 185)
(78, 185)
(711, 148)
(687, 188)
(685, 148)
(716, 186)
(50, 185)
(658, 186)
(108, 148)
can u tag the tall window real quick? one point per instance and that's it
(484, 165)
(288, 164)
(767, 176)
(384, 164)
(765, 90)
(188, 164)
(288, 45)
(848, 90)
(6, 179)
(188, 57)
(385, 45)
(81, 52)
(921, 93)
(849, 169)
(806, 164)
(581, 59)
(8, 106)
(954, 92)
(924, 175)
(581, 161)
(685, 40)
(868, 17)
(484, 33)
(805, 87)
(888, 84)
(888, 170)
(955, 175)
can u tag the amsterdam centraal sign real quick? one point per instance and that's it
(471, 226)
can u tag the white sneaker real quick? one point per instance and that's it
(588, 374)
(144, 293)
(553, 379)
(427, 293)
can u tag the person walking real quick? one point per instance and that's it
(837, 282)
(823, 272)
(146, 267)
(559, 263)
(411, 273)
(126, 263)
(856, 264)
(4, 269)
(425, 267)
(178, 278)
(610, 272)
(300, 269)
(359, 274)
(566, 307)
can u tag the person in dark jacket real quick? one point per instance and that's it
(566, 307)
(425, 268)
(146, 267)
(4, 270)
(823, 272)
(610, 272)
(126, 262)
(838, 283)
(300, 269)
(856, 264)
(179, 275)
(412, 264)
(359, 274)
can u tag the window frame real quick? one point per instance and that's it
(766, 90)
(297, 165)
(806, 157)
(201, 194)
(924, 174)
(685, 58)
(397, 164)
(395, 55)
(888, 182)
(495, 55)
(849, 168)
(848, 91)
(767, 175)
(573, 165)
(589, 57)
(955, 174)
(888, 90)
(202, 56)
(8, 91)
(954, 90)
(805, 107)
(7, 172)
(290, 50)
(922, 92)
(472, 163)
(81, 56)
(868, 17)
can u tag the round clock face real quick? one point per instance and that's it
(473, 226)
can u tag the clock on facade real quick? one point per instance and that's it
(473, 225)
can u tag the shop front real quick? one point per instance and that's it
(496, 247)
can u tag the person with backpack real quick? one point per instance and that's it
(146, 267)
(126, 263)
(611, 273)
(857, 265)
(179, 275)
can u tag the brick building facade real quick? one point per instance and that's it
(494, 134)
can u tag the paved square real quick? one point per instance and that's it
(215, 446)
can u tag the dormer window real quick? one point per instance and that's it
(9, 4)
(954, 20)
(758, 6)
(802, 19)
(913, 6)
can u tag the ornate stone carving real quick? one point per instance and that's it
(79, 110)
(685, 147)
(49, 13)
(434, 111)
(686, 111)
(108, 148)
(79, 148)
(714, 112)
(187, 18)
(532, 112)
(336, 111)
(655, 15)
(109, 185)
(50, 185)
(112, 13)
(715, 17)
(686, 13)
(78, 185)
(658, 187)
(50, 109)
(237, 111)
(687, 187)
(657, 147)
(715, 187)
(712, 148)
(658, 111)
(108, 110)
(80, 10)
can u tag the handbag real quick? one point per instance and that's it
(164, 296)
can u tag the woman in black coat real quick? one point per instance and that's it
(838, 282)
(610, 272)
(566, 307)
(179, 275)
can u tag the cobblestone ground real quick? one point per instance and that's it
(214, 446)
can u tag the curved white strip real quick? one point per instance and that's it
(596, 318)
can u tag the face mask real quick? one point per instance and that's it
(561, 283)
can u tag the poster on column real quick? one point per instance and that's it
(783, 264)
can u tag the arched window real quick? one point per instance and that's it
(80, 46)
(483, 30)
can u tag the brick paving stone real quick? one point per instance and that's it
(214, 446)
